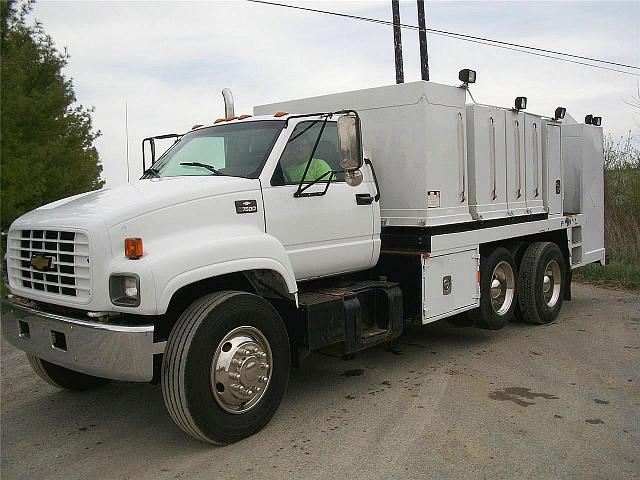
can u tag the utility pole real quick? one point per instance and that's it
(126, 132)
(422, 35)
(397, 41)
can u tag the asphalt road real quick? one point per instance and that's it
(559, 401)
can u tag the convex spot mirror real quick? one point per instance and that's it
(353, 178)
(349, 139)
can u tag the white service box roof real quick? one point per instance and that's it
(415, 136)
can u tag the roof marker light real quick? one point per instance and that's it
(242, 117)
(521, 103)
(467, 76)
(280, 114)
(588, 119)
(559, 113)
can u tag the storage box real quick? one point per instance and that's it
(415, 135)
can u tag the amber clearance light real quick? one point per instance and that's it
(133, 248)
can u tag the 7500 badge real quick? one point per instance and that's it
(246, 206)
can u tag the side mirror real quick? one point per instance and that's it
(349, 139)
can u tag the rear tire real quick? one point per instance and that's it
(64, 378)
(498, 289)
(542, 283)
(219, 337)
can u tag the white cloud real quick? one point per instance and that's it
(170, 60)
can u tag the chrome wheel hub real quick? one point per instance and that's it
(502, 288)
(551, 283)
(241, 369)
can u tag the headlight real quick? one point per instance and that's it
(124, 289)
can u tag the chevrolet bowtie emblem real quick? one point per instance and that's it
(41, 262)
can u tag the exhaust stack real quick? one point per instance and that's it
(228, 102)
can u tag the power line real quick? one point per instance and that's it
(469, 38)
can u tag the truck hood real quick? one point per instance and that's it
(114, 205)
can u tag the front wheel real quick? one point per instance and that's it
(64, 378)
(226, 367)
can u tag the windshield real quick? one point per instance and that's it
(236, 149)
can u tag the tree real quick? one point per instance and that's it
(46, 138)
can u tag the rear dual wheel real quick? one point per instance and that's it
(498, 289)
(542, 283)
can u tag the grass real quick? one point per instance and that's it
(615, 274)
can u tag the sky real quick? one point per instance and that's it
(170, 60)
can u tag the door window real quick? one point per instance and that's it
(295, 156)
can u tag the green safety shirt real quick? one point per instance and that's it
(318, 167)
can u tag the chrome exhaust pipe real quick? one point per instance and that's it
(228, 102)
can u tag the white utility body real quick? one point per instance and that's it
(318, 224)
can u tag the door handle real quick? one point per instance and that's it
(364, 199)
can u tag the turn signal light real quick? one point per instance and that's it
(133, 248)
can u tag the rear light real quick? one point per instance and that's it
(133, 248)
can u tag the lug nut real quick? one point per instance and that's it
(264, 366)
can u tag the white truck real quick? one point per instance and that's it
(227, 263)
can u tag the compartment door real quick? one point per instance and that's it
(552, 162)
(449, 284)
(533, 167)
(514, 141)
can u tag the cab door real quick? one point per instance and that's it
(330, 231)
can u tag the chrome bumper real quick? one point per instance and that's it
(118, 352)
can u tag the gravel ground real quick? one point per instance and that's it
(558, 401)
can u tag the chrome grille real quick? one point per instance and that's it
(50, 262)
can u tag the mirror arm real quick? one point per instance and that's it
(301, 189)
(375, 178)
(306, 169)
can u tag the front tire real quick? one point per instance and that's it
(64, 378)
(226, 367)
(542, 283)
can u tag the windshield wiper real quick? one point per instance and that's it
(151, 172)
(203, 165)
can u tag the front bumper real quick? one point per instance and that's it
(118, 352)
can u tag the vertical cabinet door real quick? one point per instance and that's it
(515, 147)
(533, 163)
(552, 169)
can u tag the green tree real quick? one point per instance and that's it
(46, 138)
